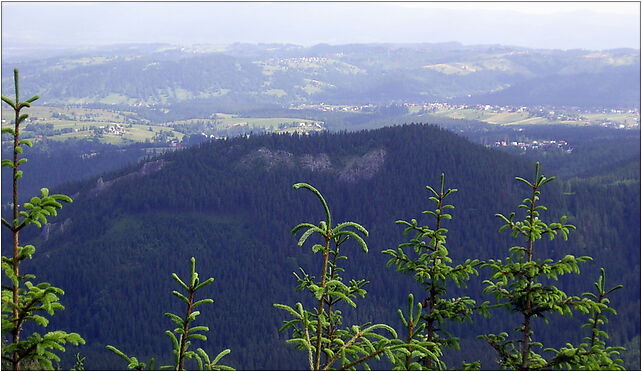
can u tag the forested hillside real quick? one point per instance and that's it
(229, 203)
(53, 163)
(548, 90)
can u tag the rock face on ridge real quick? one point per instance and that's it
(356, 168)
(318, 162)
(364, 167)
(146, 169)
(268, 158)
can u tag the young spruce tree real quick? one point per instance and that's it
(319, 333)
(593, 354)
(184, 332)
(24, 301)
(425, 257)
(519, 284)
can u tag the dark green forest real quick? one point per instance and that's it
(52, 163)
(230, 204)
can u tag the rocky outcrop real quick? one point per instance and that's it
(316, 163)
(54, 228)
(363, 167)
(268, 158)
(146, 169)
(356, 168)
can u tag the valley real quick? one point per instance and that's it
(249, 75)
(116, 127)
(165, 97)
(170, 153)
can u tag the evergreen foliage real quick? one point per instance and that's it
(79, 365)
(420, 350)
(320, 333)
(594, 354)
(24, 301)
(519, 283)
(430, 265)
(185, 332)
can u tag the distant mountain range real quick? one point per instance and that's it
(285, 74)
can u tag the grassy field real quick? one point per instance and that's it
(467, 114)
(130, 134)
(86, 123)
(493, 63)
(524, 118)
(119, 128)
(75, 114)
(266, 123)
(275, 92)
(627, 119)
(279, 125)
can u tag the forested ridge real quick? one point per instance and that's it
(246, 75)
(52, 163)
(230, 204)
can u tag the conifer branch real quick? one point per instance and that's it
(361, 360)
(7, 224)
(20, 304)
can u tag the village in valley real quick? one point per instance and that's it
(504, 115)
(546, 145)
(117, 127)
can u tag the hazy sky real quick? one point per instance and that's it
(561, 25)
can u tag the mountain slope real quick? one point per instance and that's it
(615, 86)
(230, 204)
